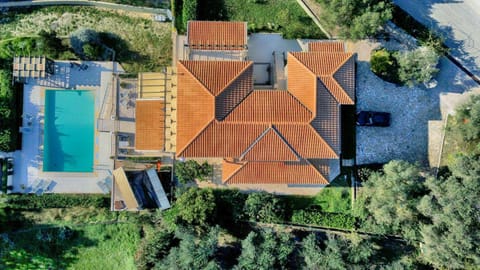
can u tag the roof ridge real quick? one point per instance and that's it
(300, 62)
(250, 147)
(236, 172)
(250, 63)
(303, 105)
(343, 62)
(317, 171)
(194, 138)
(323, 140)
(285, 141)
(205, 88)
(340, 86)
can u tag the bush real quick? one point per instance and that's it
(195, 207)
(384, 65)
(467, 119)
(417, 66)
(154, 248)
(30, 202)
(190, 170)
(324, 219)
(82, 37)
(189, 11)
(229, 210)
(264, 207)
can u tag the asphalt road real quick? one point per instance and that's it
(457, 20)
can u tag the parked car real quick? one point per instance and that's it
(374, 119)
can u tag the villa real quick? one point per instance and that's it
(279, 135)
(264, 111)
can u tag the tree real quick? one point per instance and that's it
(451, 238)
(190, 170)
(154, 248)
(311, 253)
(50, 44)
(351, 252)
(195, 207)
(467, 119)
(192, 253)
(388, 201)
(189, 11)
(92, 52)
(264, 207)
(417, 66)
(265, 250)
(356, 19)
(81, 37)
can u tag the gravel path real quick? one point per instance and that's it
(411, 109)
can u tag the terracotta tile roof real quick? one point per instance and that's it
(216, 75)
(326, 46)
(309, 144)
(195, 107)
(212, 35)
(270, 146)
(270, 106)
(149, 124)
(301, 172)
(223, 140)
(266, 136)
(325, 65)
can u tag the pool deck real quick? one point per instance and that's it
(28, 161)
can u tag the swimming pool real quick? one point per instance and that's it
(69, 131)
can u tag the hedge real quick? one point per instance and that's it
(30, 201)
(324, 219)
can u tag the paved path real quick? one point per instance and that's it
(165, 12)
(457, 21)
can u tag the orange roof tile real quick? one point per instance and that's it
(213, 35)
(270, 146)
(270, 106)
(277, 173)
(273, 132)
(223, 140)
(149, 124)
(326, 46)
(322, 63)
(195, 107)
(306, 141)
(216, 75)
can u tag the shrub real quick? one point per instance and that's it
(190, 170)
(264, 207)
(324, 219)
(467, 118)
(195, 207)
(189, 11)
(230, 203)
(154, 248)
(384, 65)
(29, 201)
(417, 66)
(81, 37)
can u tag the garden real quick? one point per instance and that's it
(278, 16)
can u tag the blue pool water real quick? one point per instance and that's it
(69, 131)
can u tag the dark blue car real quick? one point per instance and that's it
(374, 119)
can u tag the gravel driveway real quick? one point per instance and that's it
(411, 109)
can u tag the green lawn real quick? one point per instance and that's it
(454, 144)
(142, 44)
(334, 198)
(87, 247)
(284, 16)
